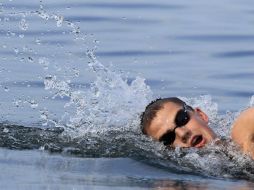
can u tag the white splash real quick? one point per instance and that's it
(205, 103)
(251, 103)
(109, 102)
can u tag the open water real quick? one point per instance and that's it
(75, 76)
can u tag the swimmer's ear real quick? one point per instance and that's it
(202, 114)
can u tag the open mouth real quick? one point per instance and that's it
(197, 141)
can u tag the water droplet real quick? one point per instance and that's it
(251, 101)
(43, 14)
(44, 116)
(6, 19)
(17, 102)
(16, 50)
(6, 130)
(42, 148)
(6, 89)
(48, 78)
(76, 72)
(33, 104)
(25, 48)
(23, 25)
(44, 62)
(30, 59)
(38, 41)
(59, 20)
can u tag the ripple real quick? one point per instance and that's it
(216, 38)
(56, 42)
(233, 76)
(222, 91)
(151, 6)
(245, 94)
(91, 19)
(235, 54)
(108, 19)
(34, 33)
(25, 55)
(21, 6)
(127, 5)
(33, 84)
(136, 53)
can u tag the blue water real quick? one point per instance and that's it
(199, 50)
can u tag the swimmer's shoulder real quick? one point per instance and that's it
(245, 119)
(242, 132)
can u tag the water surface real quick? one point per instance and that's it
(90, 68)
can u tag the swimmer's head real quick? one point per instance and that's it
(176, 124)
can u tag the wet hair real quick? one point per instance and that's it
(153, 107)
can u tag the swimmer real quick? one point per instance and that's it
(176, 124)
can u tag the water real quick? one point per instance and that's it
(80, 73)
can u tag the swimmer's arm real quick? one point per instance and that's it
(242, 132)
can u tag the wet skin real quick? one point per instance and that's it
(242, 132)
(195, 133)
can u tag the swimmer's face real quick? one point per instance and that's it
(194, 133)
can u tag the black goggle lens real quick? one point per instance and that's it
(181, 119)
(168, 138)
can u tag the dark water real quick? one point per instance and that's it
(50, 159)
(73, 72)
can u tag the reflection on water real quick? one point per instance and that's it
(61, 172)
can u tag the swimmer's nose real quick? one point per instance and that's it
(183, 134)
